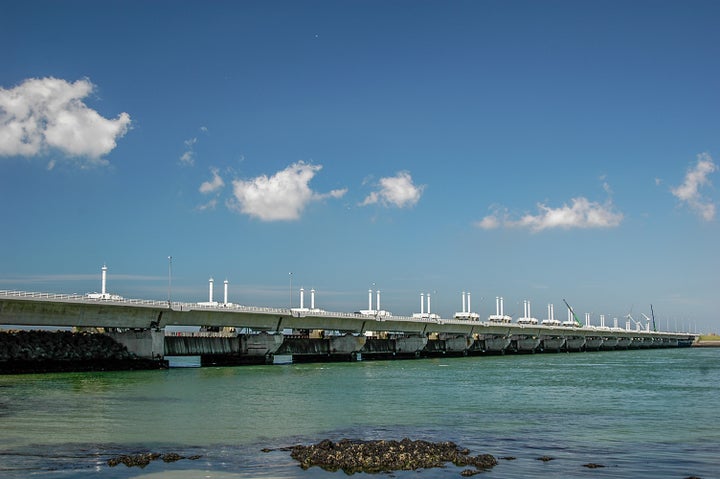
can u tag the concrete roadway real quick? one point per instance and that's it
(46, 309)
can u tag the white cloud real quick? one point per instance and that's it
(188, 156)
(48, 113)
(210, 205)
(280, 197)
(490, 222)
(582, 213)
(689, 191)
(213, 185)
(397, 190)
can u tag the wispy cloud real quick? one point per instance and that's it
(213, 185)
(398, 191)
(689, 191)
(75, 277)
(42, 114)
(188, 156)
(280, 197)
(581, 213)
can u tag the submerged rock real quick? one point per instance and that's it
(135, 460)
(353, 456)
(143, 459)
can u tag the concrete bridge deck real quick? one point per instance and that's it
(46, 309)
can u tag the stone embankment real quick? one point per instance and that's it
(54, 351)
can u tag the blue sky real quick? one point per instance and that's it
(532, 150)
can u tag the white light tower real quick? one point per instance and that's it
(103, 281)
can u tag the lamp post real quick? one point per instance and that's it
(290, 274)
(169, 281)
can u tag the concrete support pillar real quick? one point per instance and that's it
(148, 343)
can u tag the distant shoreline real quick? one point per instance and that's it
(705, 343)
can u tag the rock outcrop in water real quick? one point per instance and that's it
(353, 456)
(51, 351)
(143, 459)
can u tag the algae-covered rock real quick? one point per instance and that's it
(353, 456)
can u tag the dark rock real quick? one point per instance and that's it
(56, 351)
(353, 456)
(135, 460)
(509, 458)
(171, 457)
(545, 458)
(592, 465)
(143, 459)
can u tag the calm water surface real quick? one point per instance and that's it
(642, 414)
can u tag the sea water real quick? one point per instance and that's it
(639, 413)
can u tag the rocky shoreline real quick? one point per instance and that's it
(353, 456)
(24, 352)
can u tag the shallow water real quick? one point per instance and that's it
(641, 413)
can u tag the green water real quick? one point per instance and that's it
(641, 413)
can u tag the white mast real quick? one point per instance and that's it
(226, 292)
(302, 298)
(312, 298)
(211, 281)
(103, 281)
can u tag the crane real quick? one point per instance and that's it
(637, 323)
(573, 312)
(648, 320)
(652, 313)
